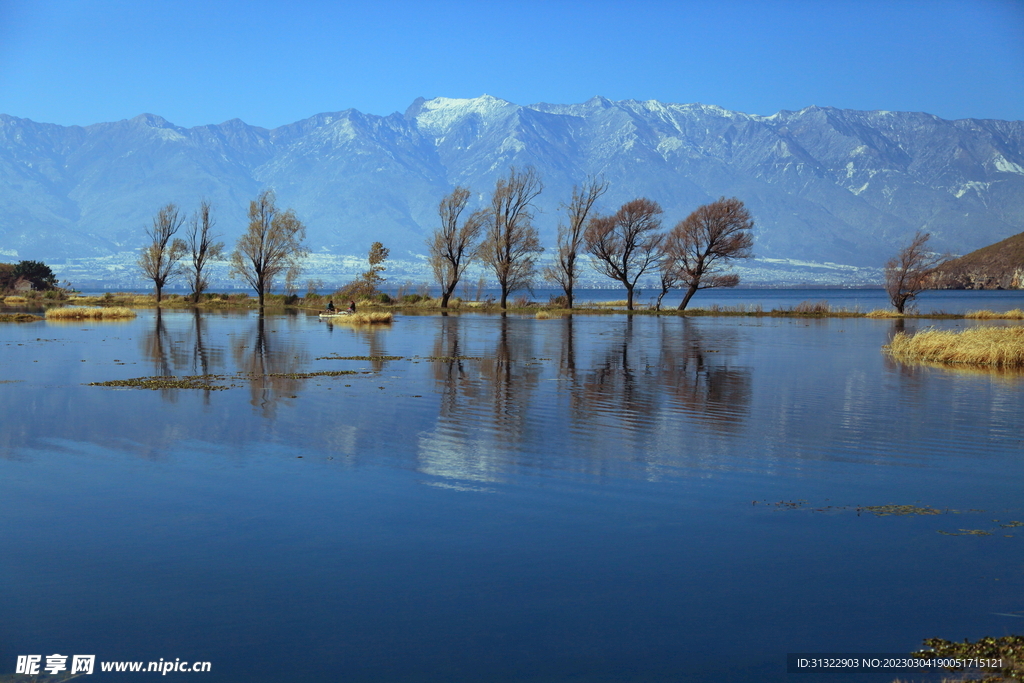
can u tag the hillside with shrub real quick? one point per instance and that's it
(997, 266)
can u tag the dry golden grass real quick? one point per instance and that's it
(15, 300)
(737, 309)
(131, 299)
(363, 318)
(18, 318)
(97, 313)
(1015, 314)
(883, 313)
(552, 313)
(812, 308)
(999, 347)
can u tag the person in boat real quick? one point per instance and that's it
(351, 307)
(330, 305)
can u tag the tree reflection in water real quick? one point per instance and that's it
(656, 390)
(451, 368)
(633, 397)
(484, 410)
(695, 373)
(620, 385)
(510, 374)
(374, 337)
(180, 352)
(157, 347)
(269, 366)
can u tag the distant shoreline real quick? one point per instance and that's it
(416, 304)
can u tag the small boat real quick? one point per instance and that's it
(336, 314)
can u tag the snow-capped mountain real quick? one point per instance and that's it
(824, 185)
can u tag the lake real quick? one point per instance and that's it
(487, 498)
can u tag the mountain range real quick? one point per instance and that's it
(823, 184)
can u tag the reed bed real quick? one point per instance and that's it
(18, 318)
(364, 318)
(738, 309)
(96, 313)
(15, 300)
(998, 347)
(883, 313)
(812, 308)
(1015, 314)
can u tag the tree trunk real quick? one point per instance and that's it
(664, 291)
(686, 297)
(444, 298)
(504, 298)
(568, 296)
(629, 298)
(158, 289)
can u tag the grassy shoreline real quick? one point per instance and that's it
(420, 305)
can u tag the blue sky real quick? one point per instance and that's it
(272, 63)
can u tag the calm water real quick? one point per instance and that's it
(504, 499)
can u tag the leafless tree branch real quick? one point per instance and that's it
(627, 244)
(705, 241)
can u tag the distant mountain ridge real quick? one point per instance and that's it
(824, 184)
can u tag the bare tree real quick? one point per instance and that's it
(627, 243)
(452, 246)
(908, 272)
(705, 241)
(511, 243)
(201, 248)
(160, 260)
(565, 270)
(272, 245)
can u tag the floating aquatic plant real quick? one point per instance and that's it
(370, 358)
(1000, 659)
(885, 510)
(191, 382)
(207, 381)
